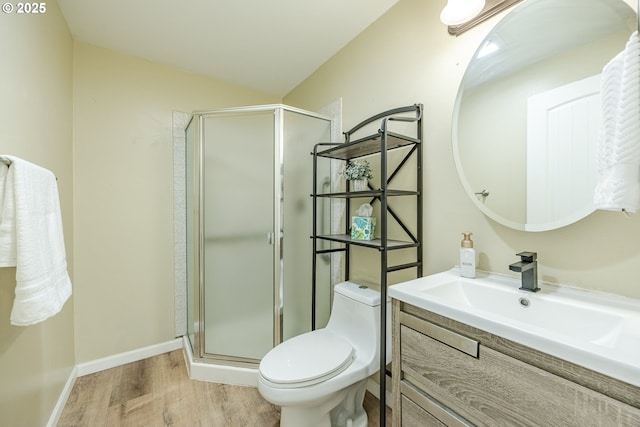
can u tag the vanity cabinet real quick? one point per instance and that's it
(447, 373)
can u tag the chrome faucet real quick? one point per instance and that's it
(528, 266)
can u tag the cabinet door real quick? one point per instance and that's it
(414, 416)
(418, 409)
(494, 389)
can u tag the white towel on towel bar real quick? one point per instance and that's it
(7, 220)
(31, 208)
(618, 185)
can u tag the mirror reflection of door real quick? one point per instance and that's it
(562, 147)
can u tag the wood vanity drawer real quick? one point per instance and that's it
(419, 410)
(494, 389)
(414, 416)
(444, 335)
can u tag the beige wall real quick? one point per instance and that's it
(123, 153)
(36, 111)
(407, 57)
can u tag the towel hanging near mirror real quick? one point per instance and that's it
(618, 185)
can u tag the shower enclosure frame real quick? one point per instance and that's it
(276, 237)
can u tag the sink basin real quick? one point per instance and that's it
(593, 329)
(549, 312)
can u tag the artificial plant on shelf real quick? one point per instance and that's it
(358, 171)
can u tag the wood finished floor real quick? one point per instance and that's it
(158, 392)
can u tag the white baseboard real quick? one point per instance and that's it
(223, 374)
(128, 357)
(62, 399)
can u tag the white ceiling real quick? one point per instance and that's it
(267, 45)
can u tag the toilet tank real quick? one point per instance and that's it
(359, 292)
(355, 314)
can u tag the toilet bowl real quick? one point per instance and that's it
(319, 378)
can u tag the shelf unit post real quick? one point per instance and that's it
(383, 274)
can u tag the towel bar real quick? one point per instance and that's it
(8, 162)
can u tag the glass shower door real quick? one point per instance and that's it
(238, 222)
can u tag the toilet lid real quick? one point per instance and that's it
(307, 359)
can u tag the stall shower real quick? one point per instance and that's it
(248, 224)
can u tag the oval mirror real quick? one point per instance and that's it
(527, 115)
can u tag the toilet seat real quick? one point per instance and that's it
(307, 359)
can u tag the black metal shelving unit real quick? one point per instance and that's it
(379, 143)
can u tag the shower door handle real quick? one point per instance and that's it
(325, 188)
(270, 238)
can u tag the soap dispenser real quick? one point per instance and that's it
(467, 256)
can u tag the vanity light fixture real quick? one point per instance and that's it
(457, 12)
(488, 9)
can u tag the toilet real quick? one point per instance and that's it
(319, 378)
